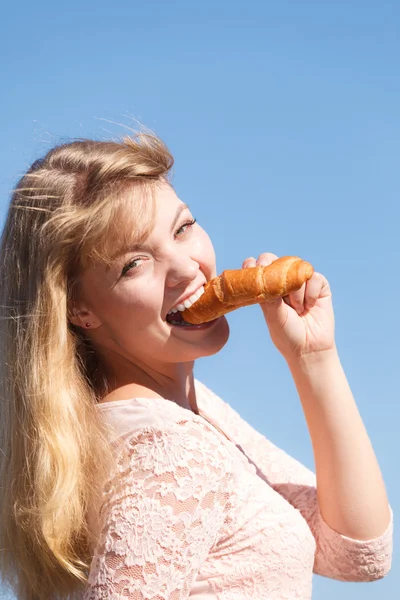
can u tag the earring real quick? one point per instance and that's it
(87, 324)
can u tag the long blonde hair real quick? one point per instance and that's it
(54, 455)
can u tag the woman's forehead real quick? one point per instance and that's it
(131, 227)
(133, 218)
(142, 212)
(135, 231)
(120, 222)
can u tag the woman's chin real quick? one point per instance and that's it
(222, 335)
(199, 343)
(215, 340)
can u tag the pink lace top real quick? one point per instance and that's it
(204, 506)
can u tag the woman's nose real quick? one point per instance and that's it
(182, 269)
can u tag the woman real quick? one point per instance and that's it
(123, 476)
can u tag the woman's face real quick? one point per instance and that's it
(126, 304)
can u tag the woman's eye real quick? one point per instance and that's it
(186, 224)
(136, 262)
(131, 265)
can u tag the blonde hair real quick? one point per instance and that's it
(54, 454)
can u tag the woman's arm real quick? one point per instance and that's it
(337, 556)
(350, 516)
(351, 493)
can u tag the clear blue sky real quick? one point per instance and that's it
(284, 120)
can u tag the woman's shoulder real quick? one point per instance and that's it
(127, 392)
(210, 403)
(128, 416)
(223, 414)
(132, 411)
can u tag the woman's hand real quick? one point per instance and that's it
(303, 322)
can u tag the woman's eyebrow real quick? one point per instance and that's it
(143, 245)
(180, 209)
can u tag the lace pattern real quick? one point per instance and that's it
(163, 511)
(205, 506)
(337, 556)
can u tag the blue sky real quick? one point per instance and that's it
(283, 118)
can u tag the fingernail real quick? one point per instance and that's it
(250, 262)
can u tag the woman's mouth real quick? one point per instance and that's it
(176, 320)
(174, 317)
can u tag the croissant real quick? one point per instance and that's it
(243, 287)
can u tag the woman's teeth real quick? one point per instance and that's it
(188, 303)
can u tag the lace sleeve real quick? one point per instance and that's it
(337, 556)
(162, 513)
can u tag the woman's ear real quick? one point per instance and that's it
(83, 317)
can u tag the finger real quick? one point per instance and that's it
(313, 291)
(265, 259)
(249, 262)
(296, 299)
